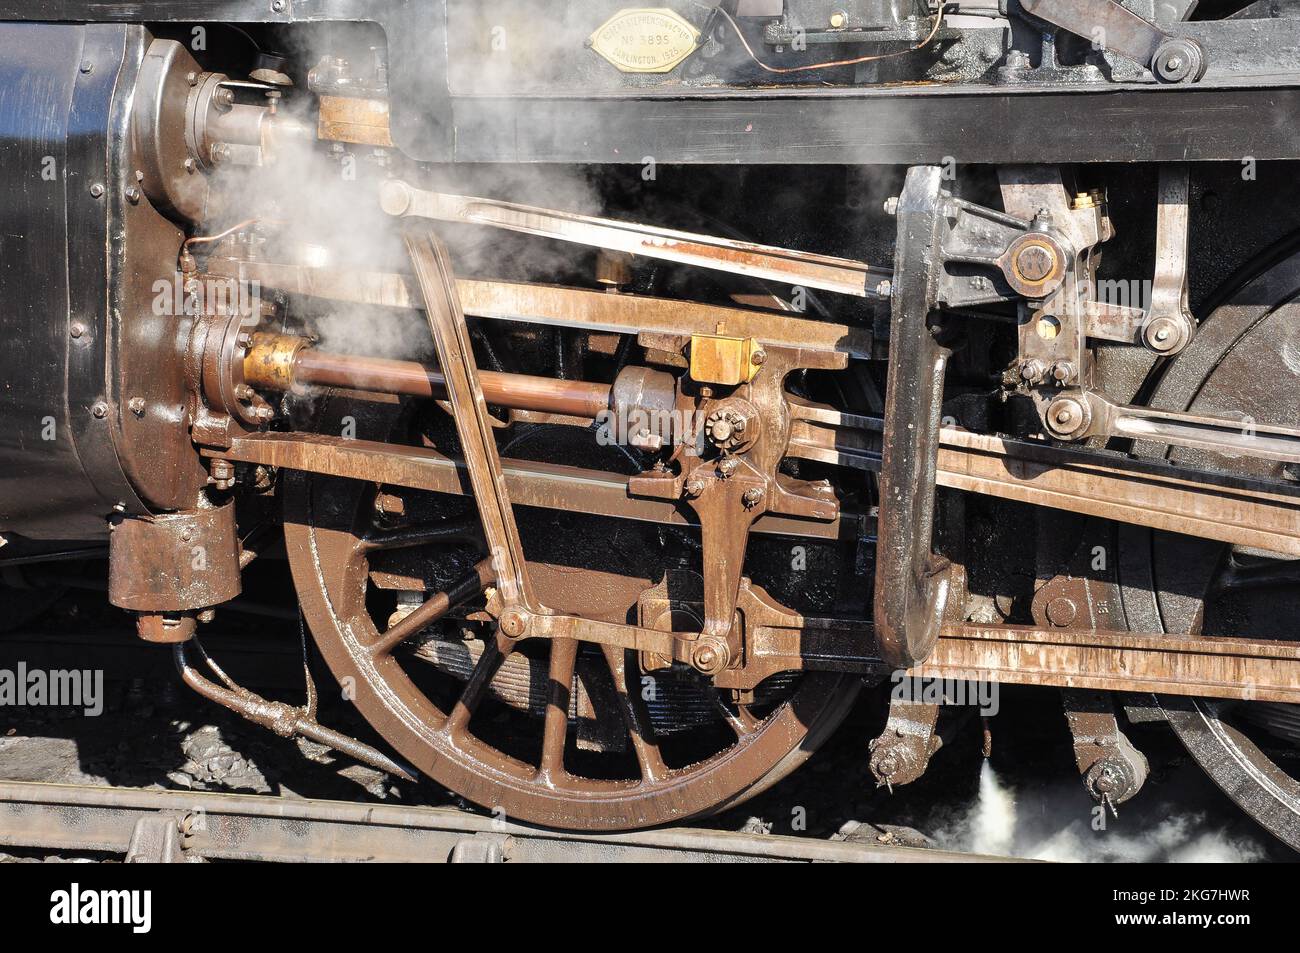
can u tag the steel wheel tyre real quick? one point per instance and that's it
(330, 574)
(1235, 363)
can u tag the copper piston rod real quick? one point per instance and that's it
(277, 362)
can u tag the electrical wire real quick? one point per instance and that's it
(938, 22)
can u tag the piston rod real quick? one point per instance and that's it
(272, 365)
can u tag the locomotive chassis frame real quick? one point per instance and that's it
(904, 125)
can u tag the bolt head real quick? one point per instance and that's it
(1067, 417)
(77, 329)
(514, 622)
(1162, 335)
(694, 488)
(1062, 611)
(1032, 371)
(97, 190)
(710, 656)
(99, 410)
(1034, 263)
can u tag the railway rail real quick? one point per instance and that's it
(179, 826)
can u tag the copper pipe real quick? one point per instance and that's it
(517, 391)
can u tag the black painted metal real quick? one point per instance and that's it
(417, 45)
(1166, 579)
(60, 474)
(911, 581)
(888, 126)
(1249, 112)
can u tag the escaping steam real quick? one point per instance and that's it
(1048, 825)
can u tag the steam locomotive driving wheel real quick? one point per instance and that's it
(1244, 349)
(557, 732)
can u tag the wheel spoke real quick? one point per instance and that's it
(635, 718)
(467, 587)
(748, 718)
(476, 687)
(564, 654)
(742, 721)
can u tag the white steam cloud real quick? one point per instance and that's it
(1047, 825)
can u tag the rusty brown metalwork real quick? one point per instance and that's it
(547, 485)
(1244, 669)
(164, 568)
(517, 391)
(329, 566)
(552, 305)
(786, 265)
